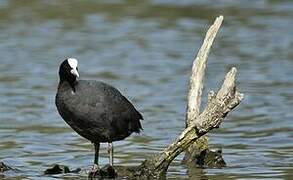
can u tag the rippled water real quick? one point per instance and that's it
(145, 49)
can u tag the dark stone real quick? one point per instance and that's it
(205, 158)
(105, 172)
(210, 158)
(60, 169)
(4, 167)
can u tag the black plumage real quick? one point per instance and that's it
(95, 110)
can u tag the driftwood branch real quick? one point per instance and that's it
(194, 152)
(198, 72)
(218, 106)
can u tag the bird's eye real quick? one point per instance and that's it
(77, 68)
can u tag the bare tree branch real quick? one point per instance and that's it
(198, 72)
(195, 91)
(216, 110)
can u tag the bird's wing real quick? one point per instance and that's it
(101, 102)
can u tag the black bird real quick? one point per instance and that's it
(95, 110)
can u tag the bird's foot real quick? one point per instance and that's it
(94, 171)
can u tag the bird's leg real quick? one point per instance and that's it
(97, 149)
(96, 161)
(110, 151)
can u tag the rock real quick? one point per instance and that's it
(210, 158)
(105, 172)
(4, 167)
(60, 169)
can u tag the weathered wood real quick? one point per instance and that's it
(218, 106)
(198, 72)
(195, 91)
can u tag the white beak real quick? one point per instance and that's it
(74, 72)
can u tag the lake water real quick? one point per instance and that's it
(145, 49)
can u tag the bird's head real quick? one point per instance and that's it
(68, 70)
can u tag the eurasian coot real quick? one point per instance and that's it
(95, 110)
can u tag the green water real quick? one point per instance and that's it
(145, 49)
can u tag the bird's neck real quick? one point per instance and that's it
(71, 84)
